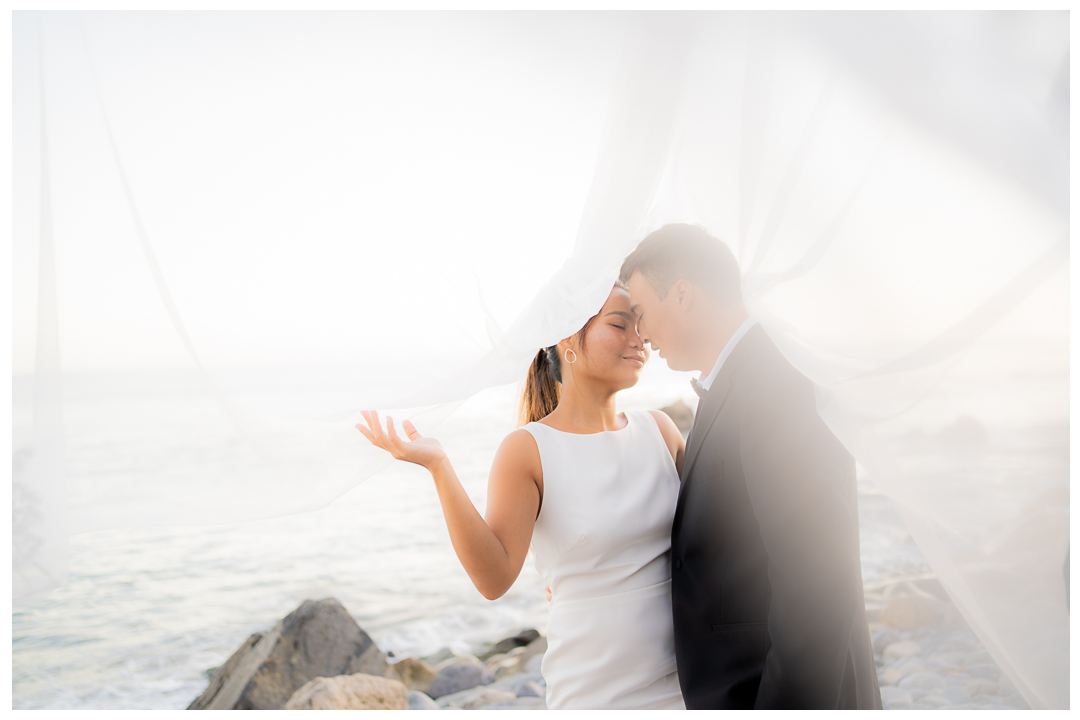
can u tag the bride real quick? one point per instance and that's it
(594, 491)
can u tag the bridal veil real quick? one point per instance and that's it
(295, 216)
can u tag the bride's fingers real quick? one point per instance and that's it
(378, 437)
(372, 426)
(391, 432)
(376, 426)
(365, 432)
(410, 430)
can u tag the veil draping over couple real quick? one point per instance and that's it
(304, 216)
(720, 573)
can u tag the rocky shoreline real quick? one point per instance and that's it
(927, 657)
(318, 658)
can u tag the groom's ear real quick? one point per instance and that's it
(683, 294)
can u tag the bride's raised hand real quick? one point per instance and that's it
(418, 449)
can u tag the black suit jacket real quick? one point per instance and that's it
(766, 582)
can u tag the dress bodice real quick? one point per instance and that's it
(602, 542)
(605, 520)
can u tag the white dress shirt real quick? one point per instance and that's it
(707, 381)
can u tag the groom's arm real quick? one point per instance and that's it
(801, 484)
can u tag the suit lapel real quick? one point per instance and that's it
(708, 408)
(710, 405)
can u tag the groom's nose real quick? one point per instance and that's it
(642, 333)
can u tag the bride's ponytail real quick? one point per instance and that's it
(541, 393)
(544, 381)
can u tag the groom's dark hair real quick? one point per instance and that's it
(685, 252)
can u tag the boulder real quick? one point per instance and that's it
(221, 674)
(318, 639)
(414, 673)
(461, 674)
(350, 692)
(420, 701)
(505, 645)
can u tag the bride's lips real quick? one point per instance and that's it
(635, 359)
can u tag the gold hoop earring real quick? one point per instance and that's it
(566, 353)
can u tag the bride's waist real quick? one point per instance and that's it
(570, 597)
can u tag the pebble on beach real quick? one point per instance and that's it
(420, 701)
(414, 673)
(461, 674)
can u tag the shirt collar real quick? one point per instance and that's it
(707, 380)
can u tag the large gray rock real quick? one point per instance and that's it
(226, 671)
(318, 639)
(350, 692)
(462, 674)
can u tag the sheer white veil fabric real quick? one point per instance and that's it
(293, 217)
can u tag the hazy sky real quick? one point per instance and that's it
(332, 186)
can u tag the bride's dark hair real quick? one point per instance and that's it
(544, 381)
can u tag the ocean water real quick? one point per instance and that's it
(147, 612)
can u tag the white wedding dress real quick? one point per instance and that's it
(602, 542)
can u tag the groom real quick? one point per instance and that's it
(766, 584)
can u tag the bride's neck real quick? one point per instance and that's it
(585, 409)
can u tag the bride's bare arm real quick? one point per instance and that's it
(672, 436)
(491, 550)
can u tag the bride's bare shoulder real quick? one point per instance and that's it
(669, 430)
(518, 455)
(519, 442)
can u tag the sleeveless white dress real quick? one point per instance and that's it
(602, 542)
